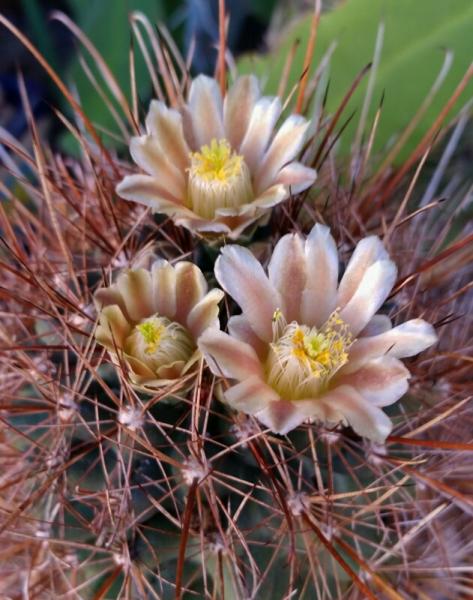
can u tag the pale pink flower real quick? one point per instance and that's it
(150, 321)
(307, 347)
(216, 165)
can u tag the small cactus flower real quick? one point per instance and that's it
(307, 347)
(150, 321)
(215, 165)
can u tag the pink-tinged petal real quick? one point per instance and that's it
(191, 287)
(237, 108)
(349, 407)
(113, 328)
(251, 395)
(297, 176)
(239, 327)
(378, 324)
(269, 198)
(108, 296)
(368, 251)
(163, 276)
(263, 119)
(283, 416)
(287, 272)
(229, 357)
(381, 381)
(140, 373)
(137, 292)
(243, 277)
(205, 313)
(147, 153)
(320, 294)
(371, 293)
(148, 191)
(166, 124)
(402, 341)
(205, 103)
(286, 145)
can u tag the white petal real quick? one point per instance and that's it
(251, 395)
(229, 357)
(284, 416)
(166, 124)
(147, 153)
(378, 324)
(351, 408)
(297, 176)
(205, 313)
(402, 341)
(368, 251)
(163, 276)
(378, 280)
(237, 108)
(284, 148)
(263, 119)
(136, 290)
(320, 294)
(239, 327)
(287, 272)
(269, 198)
(148, 191)
(113, 327)
(205, 103)
(242, 276)
(381, 381)
(191, 287)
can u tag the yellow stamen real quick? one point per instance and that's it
(152, 332)
(303, 359)
(216, 162)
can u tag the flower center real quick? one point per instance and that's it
(303, 359)
(157, 342)
(218, 179)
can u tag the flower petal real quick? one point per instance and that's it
(166, 124)
(287, 272)
(229, 357)
(110, 295)
(163, 276)
(320, 294)
(263, 119)
(237, 108)
(368, 251)
(381, 381)
(243, 277)
(286, 145)
(136, 290)
(205, 313)
(147, 153)
(251, 395)
(378, 324)
(407, 339)
(269, 198)
(191, 287)
(205, 103)
(297, 176)
(113, 328)
(367, 420)
(377, 282)
(148, 191)
(239, 327)
(283, 416)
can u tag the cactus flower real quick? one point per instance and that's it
(217, 165)
(308, 348)
(150, 321)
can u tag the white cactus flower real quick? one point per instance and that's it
(150, 321)
(216, 165)
(307, 347)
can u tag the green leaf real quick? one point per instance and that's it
(106, 24)
(416, 37)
